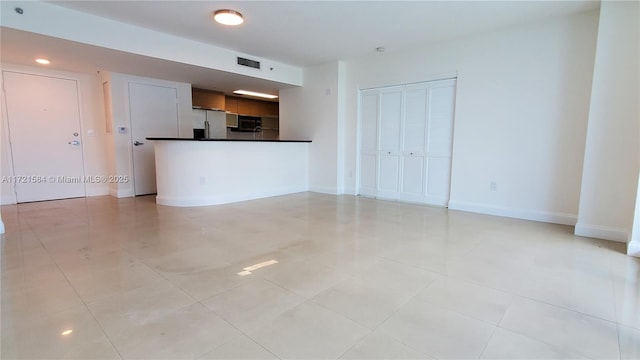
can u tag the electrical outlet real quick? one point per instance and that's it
(202, 180)
(493, 186)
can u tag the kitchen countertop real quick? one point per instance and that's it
(251, 140)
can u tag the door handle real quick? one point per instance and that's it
(138, 143)
(74, 143)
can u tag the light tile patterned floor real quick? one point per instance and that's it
(355, 278)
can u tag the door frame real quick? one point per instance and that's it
(130, 122)
(6, 133)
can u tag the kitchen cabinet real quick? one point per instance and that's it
(251, 107)
(246, 107)
(231, 104)
(406, 142)
(207, 99)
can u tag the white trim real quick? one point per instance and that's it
(120, 193)
(633, 248)
(324, 190)
(601, 232)
(525, 214)
(223, 199)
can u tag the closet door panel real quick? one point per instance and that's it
(390, 117)
(369, 142)
(388, 176)
(441, 106)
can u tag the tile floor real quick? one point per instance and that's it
(355, 278)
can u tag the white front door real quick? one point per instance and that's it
(154, 113)
(45, 137)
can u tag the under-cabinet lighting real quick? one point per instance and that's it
(253, 93)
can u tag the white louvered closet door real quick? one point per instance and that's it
(389, 144)
(369, 142)
(413, 136)
(439, 143)
(414, 141)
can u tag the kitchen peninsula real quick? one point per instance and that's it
(200, 172)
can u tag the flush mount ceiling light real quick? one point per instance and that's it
(253, 93)
(228, 17)
(43, 61)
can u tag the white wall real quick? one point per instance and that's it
(315, 112)
(612, 155)
(92, 124)
(120, 147)
(634, 244)
(521, 113)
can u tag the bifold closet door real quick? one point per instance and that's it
(414, 141)
(389, 145)
(440, 141)
(369, 142)
(406, 142)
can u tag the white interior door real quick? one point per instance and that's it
(154, 113)
(45, 136)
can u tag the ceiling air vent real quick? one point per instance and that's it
(250, 63)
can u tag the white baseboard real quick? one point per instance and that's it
(223, 199)
(98, 192)
(323, 190)
(633, 248)
(534, 215)
(120, 194)
(601, 232)
(350, 191)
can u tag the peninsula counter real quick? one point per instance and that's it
(200, 172)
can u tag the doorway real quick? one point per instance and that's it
(154, 113)
(45, 137)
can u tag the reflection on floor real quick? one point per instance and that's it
(307, 276)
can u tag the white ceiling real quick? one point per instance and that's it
(301, 33)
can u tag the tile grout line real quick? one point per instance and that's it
(81, 299)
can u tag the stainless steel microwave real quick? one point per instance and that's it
(249, 123)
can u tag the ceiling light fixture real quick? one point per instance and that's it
(43, 61)
(228, 17)
(67, 332)
(253, 93)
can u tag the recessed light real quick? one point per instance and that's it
(253, 93)
(228, 17)
(67, 332)
(43, 61)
